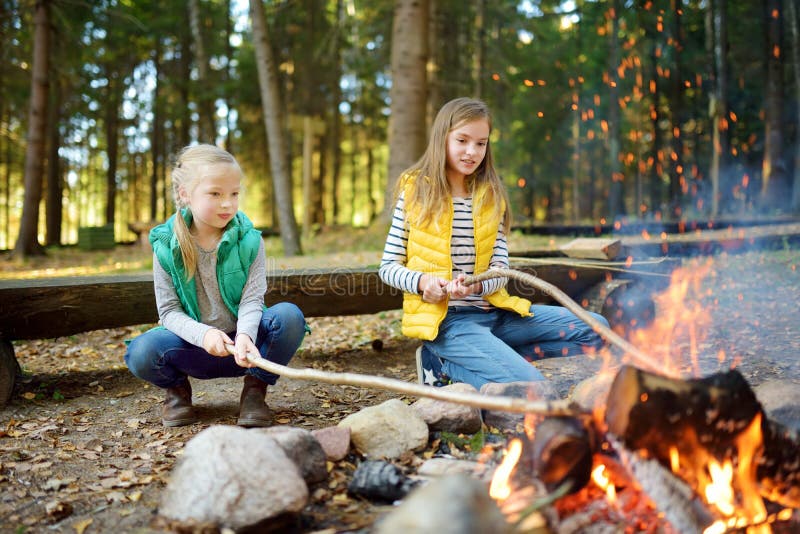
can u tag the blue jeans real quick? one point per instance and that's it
(165, 360)
(478, 346)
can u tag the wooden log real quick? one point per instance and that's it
(670, 495)
(562, 451)
(660, 414)
(9, 368)
(53, 307)
(596, 248)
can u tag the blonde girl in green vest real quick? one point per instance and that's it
(450, 221)
(209, 273)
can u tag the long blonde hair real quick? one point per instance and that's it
(189, 168)
(431, 194)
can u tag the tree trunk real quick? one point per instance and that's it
(479, 59)
(408, 94)
(9, 161)
(318, 199)
(794, 38)
(55, 185)
(336, 120)
(718, 104)
(157, 134)
(112, 106)
(775, 191)
(229, 75)
(205, 99)
(371, 204)
(353, 170)
(576, 153)
(308, 174)
(438, 31)
(676, 108)
(28, 241)
(185, 75)
(653, 88)
(616, 205)
(273, 121)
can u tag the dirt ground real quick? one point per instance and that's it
(82, 448)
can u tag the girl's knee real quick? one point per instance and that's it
(601, 319)
(139, 356)
(291, 318)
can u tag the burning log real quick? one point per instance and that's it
(562, 451)
(684, 423)
(670, 495)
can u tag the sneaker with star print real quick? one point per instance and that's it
(429, 369)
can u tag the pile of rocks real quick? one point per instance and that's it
(238, 478)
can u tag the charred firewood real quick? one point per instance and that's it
(670, 495)
(562, 451)
(380, 480)
(663, 415)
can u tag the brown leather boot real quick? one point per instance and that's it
(252, 409)
(177, 409)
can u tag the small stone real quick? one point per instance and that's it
(335, 441)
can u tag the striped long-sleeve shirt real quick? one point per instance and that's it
(393, 270)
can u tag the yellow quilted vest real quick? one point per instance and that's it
(428, 251)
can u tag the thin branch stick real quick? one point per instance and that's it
(643, 360)
(476, 400)
(596, 264)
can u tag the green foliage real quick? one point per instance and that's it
(129, 68)
(473, 443)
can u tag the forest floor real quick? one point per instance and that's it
(82, 448)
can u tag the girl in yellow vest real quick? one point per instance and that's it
(209, 273)
(450, 221)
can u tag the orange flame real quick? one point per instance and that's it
(729, 486)
(683, 321)
(602, 480)
(500, 489)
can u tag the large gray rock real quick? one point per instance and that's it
(454, 504)
(592, 392)
(233, 478)
(781, 401)
(450, 416)
(387, 430)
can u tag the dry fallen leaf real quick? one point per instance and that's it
(81, 526)
(58, 510)
(54, 484)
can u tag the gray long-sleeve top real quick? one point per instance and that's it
(213, 312)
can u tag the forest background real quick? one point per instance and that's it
(604, 111)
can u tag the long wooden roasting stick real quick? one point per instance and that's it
(476, 400)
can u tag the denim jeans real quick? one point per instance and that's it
(478, 346)
(165, 360)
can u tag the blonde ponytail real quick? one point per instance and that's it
(187, 245)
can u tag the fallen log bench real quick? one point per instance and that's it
(47, 308)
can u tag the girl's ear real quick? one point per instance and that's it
(183, 195)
